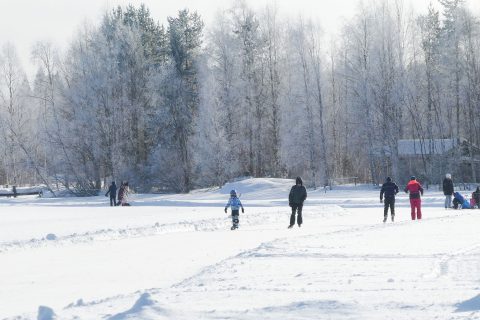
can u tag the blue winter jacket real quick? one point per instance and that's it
(464, 202)
(235, 203)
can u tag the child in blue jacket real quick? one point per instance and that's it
(235, 203)
(460, 201)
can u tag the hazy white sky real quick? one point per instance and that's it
(23, 22)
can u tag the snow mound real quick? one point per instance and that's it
(469, 305)
(45, 313)
(256, 187)
(79, 303)
(140, 307)
(51, 237)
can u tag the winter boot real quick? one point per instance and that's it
(393, 217)
(384, 219)
(290, 226)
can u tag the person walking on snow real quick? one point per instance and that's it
(415, 189)
(390, 189)
(123, 194)
(297, 196)
(235, 203)
(448, 190)
(112, 191)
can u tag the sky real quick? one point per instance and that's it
(23, 22)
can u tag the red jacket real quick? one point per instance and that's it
(414, 188)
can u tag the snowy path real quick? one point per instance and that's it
(160, 262)
(111, 261)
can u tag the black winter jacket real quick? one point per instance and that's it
(112, 190)
(447, 187)
(390, 189)
(297, 195)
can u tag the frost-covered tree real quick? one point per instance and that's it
(262, 94)
(15, 116)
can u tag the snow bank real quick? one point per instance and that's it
(142, 302)
(45, 313)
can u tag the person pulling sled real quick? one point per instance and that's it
(234, 203)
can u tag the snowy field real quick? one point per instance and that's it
(174, 257)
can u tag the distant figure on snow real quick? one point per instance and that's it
(123, 194)
(235, 203)
(448, 190)
(112, 191)
(460, 202)
(415, 189)
(390, 189)
(476, 197)
(297, 196)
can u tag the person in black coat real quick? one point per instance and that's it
(389, 189)
(448, 190)
(297, 196)
(112, 190)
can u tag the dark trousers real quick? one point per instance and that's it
(235, 220)
(456, 203)
(298, 209)
(389, 202)
(476, 197)
(113, 201)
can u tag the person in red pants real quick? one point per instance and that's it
(415, 189)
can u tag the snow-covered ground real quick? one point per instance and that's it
(174, 257)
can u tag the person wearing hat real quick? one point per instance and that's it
(296, 197)
(389, 189)
(448, 190)
(415, 189)
(235, 203)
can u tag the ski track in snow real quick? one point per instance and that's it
(328, 273)
(275, 249)
(248, 219)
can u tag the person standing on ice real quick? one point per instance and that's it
(448, 190)
(123, 194)
(112, 191)
(415, 189)
(390, 189)
(297, 196)
(235, 203)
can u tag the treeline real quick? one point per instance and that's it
(178, 106)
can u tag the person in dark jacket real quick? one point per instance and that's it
(112, 191)
(389, 189)
(476, 197)
(448, 190)
(415, 189)
(297, 196)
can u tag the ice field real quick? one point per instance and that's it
(175, 257)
